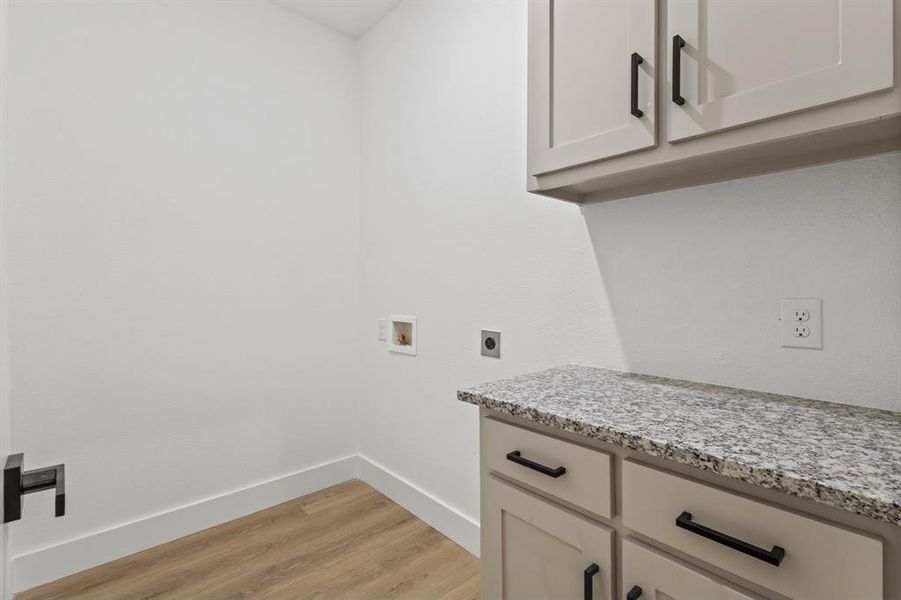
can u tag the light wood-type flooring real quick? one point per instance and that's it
(347, 541)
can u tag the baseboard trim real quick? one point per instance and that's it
(446, 519)
(55, 562)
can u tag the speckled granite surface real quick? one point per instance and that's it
(843, 456)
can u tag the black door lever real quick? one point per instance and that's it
(17, 483)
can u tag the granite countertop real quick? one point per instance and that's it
(843, 456)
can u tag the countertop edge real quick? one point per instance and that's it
(791, 485)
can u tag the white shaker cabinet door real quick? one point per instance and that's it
(649, 575)
(592, 69)
(533, 549)
(733, 62)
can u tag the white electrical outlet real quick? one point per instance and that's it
(801, 331)
(802, 323)
(382, 330)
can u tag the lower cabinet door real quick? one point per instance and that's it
(649, 575)
(532, 548)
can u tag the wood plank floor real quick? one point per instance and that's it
(347, 541)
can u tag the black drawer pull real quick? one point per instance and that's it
(773, 557)
(592, 570)
(636, 60)
(678, 44)
(516, 457)
(634, 593)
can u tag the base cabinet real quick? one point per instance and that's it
(660, 535)
(649, 575)
(532, 549)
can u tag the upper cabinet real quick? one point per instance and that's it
(742, 87)
(734, 62)
(591, 70)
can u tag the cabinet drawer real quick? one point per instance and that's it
(573, 473)
(534, 549)
(819, 562)
(648, 575)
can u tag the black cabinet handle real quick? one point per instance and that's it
(634, 593)
(516, 457)
(773, 557)
(678, 44)
(592, 570)
(636, 60)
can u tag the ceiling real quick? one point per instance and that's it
(351, 17)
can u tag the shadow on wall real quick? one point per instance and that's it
(694, 278)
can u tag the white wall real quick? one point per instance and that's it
(694, 278)
(683, 284)
(450, 235)
(4, 314)
(191, 259)
(183, 252)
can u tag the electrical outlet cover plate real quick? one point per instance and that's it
(491, 343)
(802, 323)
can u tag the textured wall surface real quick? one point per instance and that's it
(694, 279)
(450, 235)
(183, 258)
(684, 284)
(194, 258)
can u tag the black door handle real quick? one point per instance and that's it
(678, 44)
(18, 482)
(592, 570)
(634, 593)
(516, 457)
(773, 557)
(636, 60)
